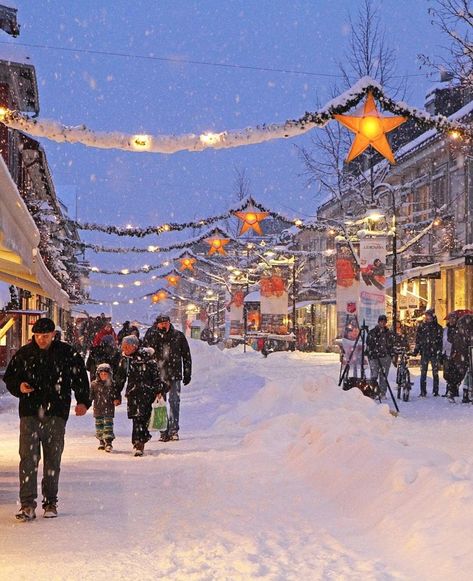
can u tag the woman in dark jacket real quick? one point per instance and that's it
(138, 366)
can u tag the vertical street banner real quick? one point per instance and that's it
(348, 284)
(234, 317)
(372, 279)
(274, 303)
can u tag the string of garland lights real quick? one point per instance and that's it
(216, 232)
(167, 144)
(247, 206)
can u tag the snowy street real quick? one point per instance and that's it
(278, 475)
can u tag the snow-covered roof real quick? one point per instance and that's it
(432, 133)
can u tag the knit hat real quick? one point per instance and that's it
(104, 367)
(163, 319)
(44, 325)
(430, 312)
(382, 318)
(131, 340)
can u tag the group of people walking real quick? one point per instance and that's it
(43, 374)
(437, 346)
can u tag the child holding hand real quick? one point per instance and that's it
(104, 396)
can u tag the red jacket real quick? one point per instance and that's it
(101, 334)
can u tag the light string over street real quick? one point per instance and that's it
(167, 144)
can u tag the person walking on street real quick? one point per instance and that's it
(380, 347)
(104, 395)
(174, 360)
(429, 338)
(42, 374)
(138, 370)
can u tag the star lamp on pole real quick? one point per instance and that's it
(217, 245)
(370, 129)
(251, 221)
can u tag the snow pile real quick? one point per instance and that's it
(279, 474)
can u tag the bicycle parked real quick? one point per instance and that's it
(403, 375)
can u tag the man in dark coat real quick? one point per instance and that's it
(144, 384)
(124, 331)
(429, 343)
(173, 356)
(42, 375)
(380, 347)
(106, 352)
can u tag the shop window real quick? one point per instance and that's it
(459, 288)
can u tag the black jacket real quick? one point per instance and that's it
(171, 351)
(53, 373)
(103, 353)
(429, 339)
(380, 342)
(143, 384)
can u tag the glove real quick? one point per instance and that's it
(186, 379)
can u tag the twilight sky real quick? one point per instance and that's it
(138, 95)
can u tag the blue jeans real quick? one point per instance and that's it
(377, 366)
(424, 365)
(174, 398)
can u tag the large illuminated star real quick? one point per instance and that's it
(217, 245)
(251, 219)
(370, 129)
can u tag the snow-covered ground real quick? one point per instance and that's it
(278, 475)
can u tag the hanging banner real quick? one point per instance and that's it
(372, 279)
(348, 286)
(274, 303)
(234, 312)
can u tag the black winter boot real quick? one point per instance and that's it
(466, 398)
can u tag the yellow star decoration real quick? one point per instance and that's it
(159, 296)
(370, 129)
(217, 245)
(251, 220)
(187, 263)
(172, 279)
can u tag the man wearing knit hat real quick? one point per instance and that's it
(42, 375)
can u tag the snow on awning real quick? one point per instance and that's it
(20, 261)
(416, 272)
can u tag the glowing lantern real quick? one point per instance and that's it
(161, 295)
(251, 220)
(141, 142)
(187, 263)
(370, 129)
(172, 279)
(217, 245)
